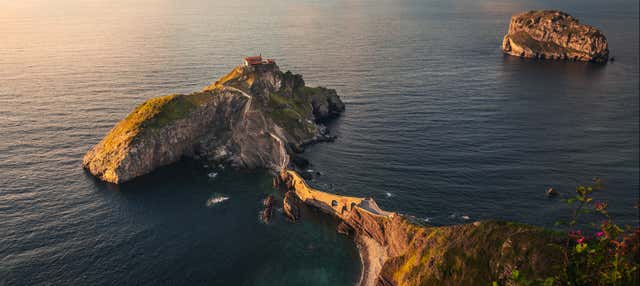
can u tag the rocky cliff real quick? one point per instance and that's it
(554, 35)
(253, 117)
(396, 250)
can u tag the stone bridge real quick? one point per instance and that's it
(334, 204)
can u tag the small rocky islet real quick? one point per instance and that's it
(554, 35)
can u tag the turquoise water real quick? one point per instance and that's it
(439, 124)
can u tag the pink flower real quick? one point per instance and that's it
(580, 240)
(599, 233)
(601, 206)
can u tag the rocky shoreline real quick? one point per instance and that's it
(397, 250)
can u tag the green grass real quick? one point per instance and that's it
(293, 113)
(237, 78)
(145, 119)
(300, 103)
(159, 112)
(293, 122)
(151, 115)
(470, 255)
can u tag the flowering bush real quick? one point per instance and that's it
(608, 254)
(607, 257)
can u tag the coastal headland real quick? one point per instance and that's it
(398, 250)
(256, 116)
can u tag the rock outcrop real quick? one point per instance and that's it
(554, 35)
(253, 117)
(267, 212)
(397, 250)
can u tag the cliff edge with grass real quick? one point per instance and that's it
(397, 250)
(554, 35)
(254, 117)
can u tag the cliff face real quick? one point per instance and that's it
(554, 35)
(253, 117)
(398, 251)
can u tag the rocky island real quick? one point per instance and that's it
(397, 250)
(554, 35)
(254, 117)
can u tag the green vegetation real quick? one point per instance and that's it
(294, 113)
(158, 112)
(609, 256)
(237, 78)
(145, 119)
(473, 254)
(291, 107)
(151, 115)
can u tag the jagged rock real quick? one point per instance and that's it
(267, 212)
(299, 161)
(344, 228)
(554, 35)
(291, 207)
(249, 118)
(268, 201)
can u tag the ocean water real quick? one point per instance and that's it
(439, 125)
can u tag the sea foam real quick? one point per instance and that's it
(212, 201)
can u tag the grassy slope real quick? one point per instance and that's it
(236, 78)
(293, 113)
(474, 255)
(151, 115)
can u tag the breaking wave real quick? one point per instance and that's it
(212, 201)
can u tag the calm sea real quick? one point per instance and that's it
(439, 125)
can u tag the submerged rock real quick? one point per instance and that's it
(554, 35)
(253, 117)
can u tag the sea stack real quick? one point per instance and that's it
(254, 117)
(554, 35)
